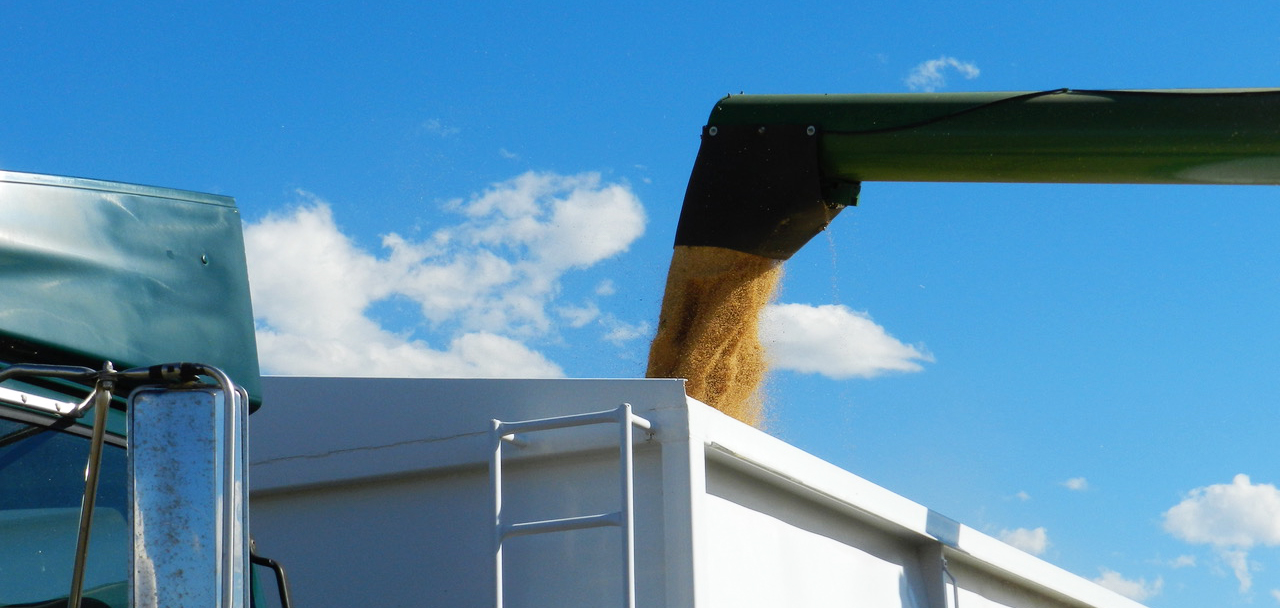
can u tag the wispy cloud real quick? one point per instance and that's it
(616, 331)
(931, 75)
(1076, 484)
(1241, 567)
(579, 316)
(1138, 590)
(486, 288)
(1233, 518)
(1034, 541)
(620, 333)
(435, 127)
(834, 341)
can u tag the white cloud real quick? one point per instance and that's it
(1233, 517)
(834, 341)
(1076, 484)
(1033, 541)
(484, 286)
(1275, 593)
(1137, 590)
(561, 222)
(371, 351)
(1022, 495)
(929, 76)
(1183, 561)
(1240, 514)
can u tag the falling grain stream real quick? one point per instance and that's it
(708, 330)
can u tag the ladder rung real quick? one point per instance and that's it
(559, 525)
(560, 422)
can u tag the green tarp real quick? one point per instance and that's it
(95, 271)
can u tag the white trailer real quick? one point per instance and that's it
(381, 492)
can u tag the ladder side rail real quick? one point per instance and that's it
(495, 481)
(627, 487)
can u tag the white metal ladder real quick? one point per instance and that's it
(505, 432)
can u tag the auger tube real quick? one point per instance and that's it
(774, 169)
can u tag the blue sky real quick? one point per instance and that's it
(493, 189)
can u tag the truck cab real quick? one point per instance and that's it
(123, 475)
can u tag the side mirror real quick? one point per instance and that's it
(187, 472)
